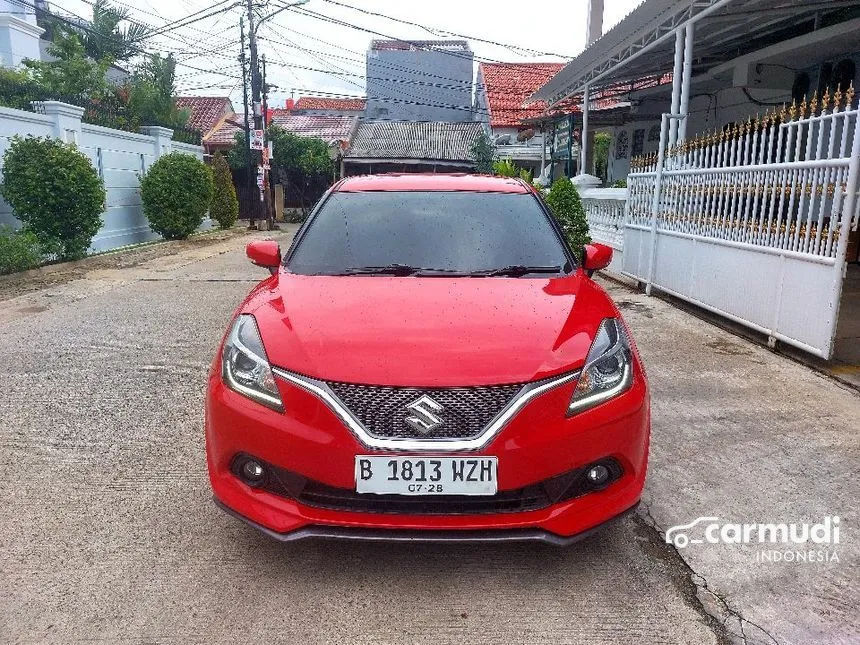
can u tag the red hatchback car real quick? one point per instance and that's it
(428, 361)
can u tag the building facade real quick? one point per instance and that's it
(422, 80)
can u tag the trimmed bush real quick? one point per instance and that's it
(564, 201)
(19, 250)
(55, 191)
(176, 193)
(225, 204)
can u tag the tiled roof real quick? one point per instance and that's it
(459, 45)
(323, 103)
(508, 85)
(327, 128)
(206, 111)
(414, 140)
(224, 134)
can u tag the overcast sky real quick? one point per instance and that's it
(292, 41)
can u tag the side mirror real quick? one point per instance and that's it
(265, 253)
(597, 256)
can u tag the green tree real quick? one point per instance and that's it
(73, 74)
(601, 154)
(151, 90)
(225, 204)
(176, 192)
(563, 199)
(55, 191)
(106, 39)
(482, 152)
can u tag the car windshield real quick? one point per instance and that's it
(430, 233)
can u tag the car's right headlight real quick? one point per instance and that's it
(608, 369)
(245, 367)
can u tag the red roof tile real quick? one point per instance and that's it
(225, 133)
(508, 85)
(205, 111)
(323, 103)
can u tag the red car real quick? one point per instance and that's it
(428, 361)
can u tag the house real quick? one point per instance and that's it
(222, 137)
(205, 113)
(329, 106)
(411, 146)
(501, 90)
(419, 80)
(19, 33)
(742, 172)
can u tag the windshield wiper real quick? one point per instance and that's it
(399, 270)
(517, 270)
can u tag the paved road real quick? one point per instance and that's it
(108, 533)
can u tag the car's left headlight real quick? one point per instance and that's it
(608, 369)
(245, 367)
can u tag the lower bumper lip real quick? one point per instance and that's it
(427, 536)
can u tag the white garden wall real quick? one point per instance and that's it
(119, 157)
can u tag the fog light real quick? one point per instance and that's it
(597, 475)
(253, 472)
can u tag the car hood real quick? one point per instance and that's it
(413, 331)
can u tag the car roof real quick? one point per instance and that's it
(431, 182)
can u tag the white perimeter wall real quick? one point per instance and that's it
(120, 158)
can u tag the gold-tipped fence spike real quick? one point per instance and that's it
(792, 111)
(813, 105)
(849, 96)
(825, 100)
(837, 98)
(803, 107)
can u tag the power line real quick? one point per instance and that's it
(417, 45)
(445, 32)
(82, 24)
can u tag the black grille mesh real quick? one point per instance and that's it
(466, 410)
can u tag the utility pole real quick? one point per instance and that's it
(255, 99)
(249, 184)
(267, 173)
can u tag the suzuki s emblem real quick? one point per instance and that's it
(424, 414)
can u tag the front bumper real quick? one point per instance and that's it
(539, 443)
(434, 537)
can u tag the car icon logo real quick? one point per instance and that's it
(424, 417)
(677, 535)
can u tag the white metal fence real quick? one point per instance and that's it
(752, 222)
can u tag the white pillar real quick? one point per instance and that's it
(594, 28)
(685, 81)
(162, 139)
(67, 119)
(583, 135)
(677, 74)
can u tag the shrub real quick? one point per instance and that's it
(505, 168)
(176, 193)
(19, 250)
(225, 204)
(55, 191)
(563, 199)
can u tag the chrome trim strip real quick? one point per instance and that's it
(322, 391)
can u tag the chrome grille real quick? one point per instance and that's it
(466, 411)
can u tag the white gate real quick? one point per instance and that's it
(752, 222)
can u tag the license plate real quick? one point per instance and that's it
(426, 475)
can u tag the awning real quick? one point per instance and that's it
(643, 43)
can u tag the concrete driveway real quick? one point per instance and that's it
(108, 533)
